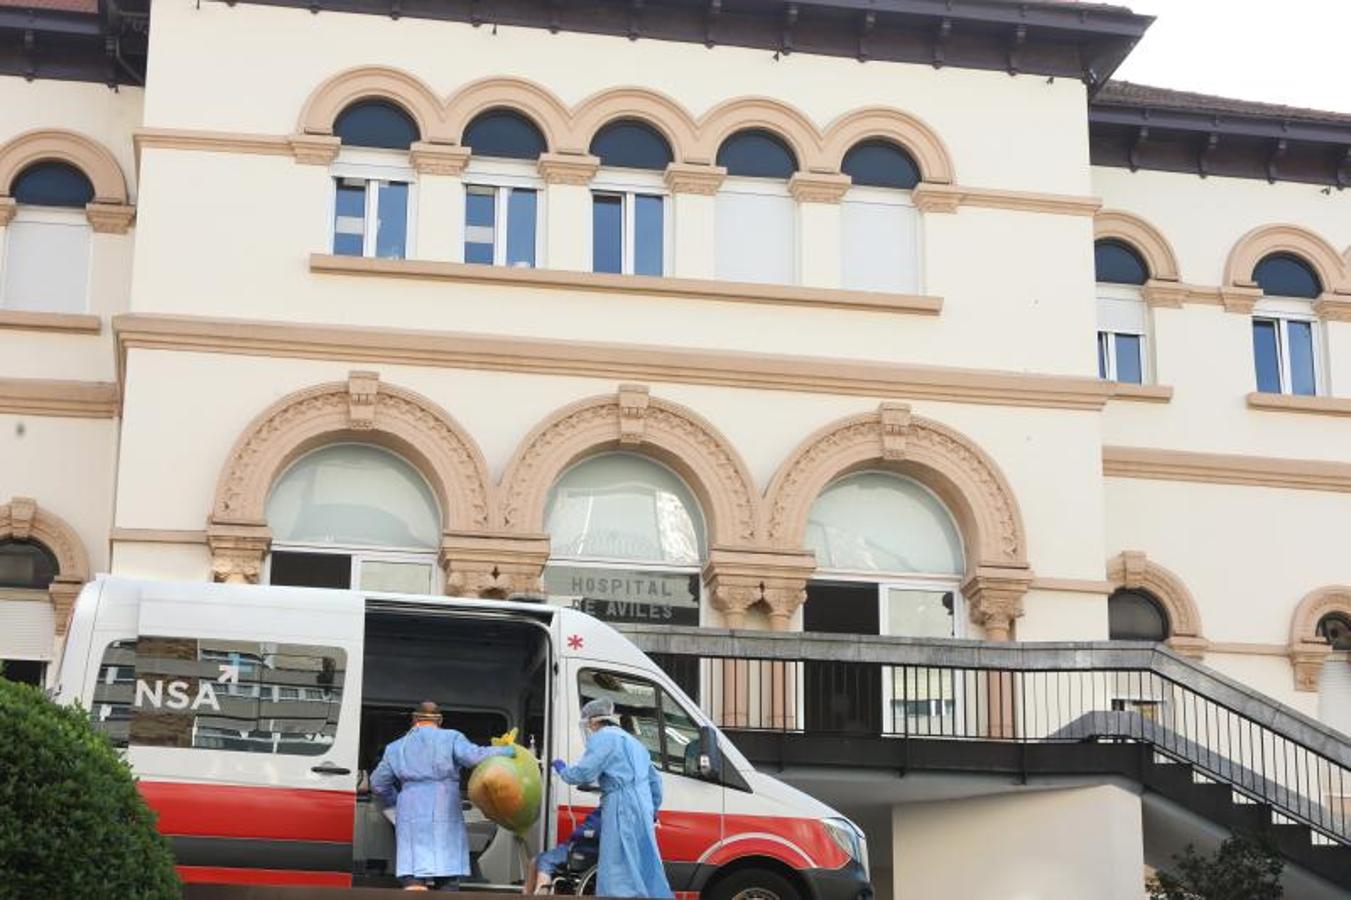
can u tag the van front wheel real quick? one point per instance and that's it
(753, 884)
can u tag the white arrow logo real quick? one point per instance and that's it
(229, 673)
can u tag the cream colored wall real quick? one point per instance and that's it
(1039, 845)
(172, 451)
(1270, 674)
(1204, 217)
(276, 57)
(93, 110)
(67, 466)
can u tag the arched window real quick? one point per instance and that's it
(879, 226)
(501, 208)
(371, 205)
(503, 133)
(1335, 628)
(1123, 315)
(354, 515)
(27, 569)
(631, 144)
(756, 231)
(1285, 337)
(1133, 615)
(52, 184)
(627, 540)
(376, 123)
(26, 565)
(628, 204)
(880, 163)
(46, 253)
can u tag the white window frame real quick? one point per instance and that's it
(48, 215)
(374, 167)
(502, 174)
(1123, 310)
(357, 556)
(764, 187)
(1282, 311)
(627, 184)
(867, 194)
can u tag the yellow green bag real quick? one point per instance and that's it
(508, 789)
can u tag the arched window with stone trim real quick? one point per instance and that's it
(756, 224)
(630, 208)
(889, 560)
(27, 570)
(351, 515)
(503, 190)
(1134, 614)
(879, 225)
(47, 245)
(1287, 342)
(1123, 350)
(627, 541)
(374, 182)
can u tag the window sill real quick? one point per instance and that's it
(70, 323)
(1140, 393)
(1298, 403)
(686, 288)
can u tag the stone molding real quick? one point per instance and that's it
(8, 208)
(632, 285)
(1144, 238)
(963, 476)
(23, 519)
(889, 124)
(994, 598)
(689, 178)
(362, 408)
(1299, 403)
(739, 579)
(66, 323)
(1285, 238)
(84, 153)
(816, 187)
(438, 159)
(665, 431)
(314, 149)
(1133, 569)
(947, 198)
(1307, 650)
(559, 168)
(1333, 307)
(51, 397)
(110, 218)
(1224, 468)
(487, 564)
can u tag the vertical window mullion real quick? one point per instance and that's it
(369, 227)
(628, 237)
(1283, 355)
(503, 195)
(1111, 355)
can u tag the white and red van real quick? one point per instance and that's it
(252, 716)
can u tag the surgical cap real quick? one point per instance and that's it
(600, 708)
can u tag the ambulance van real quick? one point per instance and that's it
(253, 716)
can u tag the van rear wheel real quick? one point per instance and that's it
(753, 884)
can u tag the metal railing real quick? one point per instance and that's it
(901, 689)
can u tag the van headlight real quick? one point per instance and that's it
(848, 838)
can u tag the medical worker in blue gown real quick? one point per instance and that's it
(419, 777)
(630, 787)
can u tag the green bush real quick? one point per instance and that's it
(1245, 867)
(72, 823)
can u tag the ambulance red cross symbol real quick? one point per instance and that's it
(574, 642)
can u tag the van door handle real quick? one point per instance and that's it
(330, 769)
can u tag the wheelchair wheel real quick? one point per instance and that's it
(586, 885)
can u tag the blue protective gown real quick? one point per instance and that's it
(420, 777)
(630, 863)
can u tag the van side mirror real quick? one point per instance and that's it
(710, 756)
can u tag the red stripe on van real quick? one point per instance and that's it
(808, 835)
(682, 837)
(216, 810)
(213, 875)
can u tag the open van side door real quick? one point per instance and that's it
(244, 728)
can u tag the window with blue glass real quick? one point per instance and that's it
(1284, 329)
(370, 217)
(376, 123)
(52, 183)
(501, 225)
(504, 134)
(1123, 315)
(630, 144)
(879, 163)
(628, 232)
(46, 246)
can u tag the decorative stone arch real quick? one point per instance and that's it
(361, 409)
(21, 519)
(1283, 238)
(909, 132)
(633, 420)
(963, 476)
(671, 120)
(535, 102)
(1308, 651)
(406, 91)
(787, 123)
(1144, 238)
(1132, 569)
(109, 212)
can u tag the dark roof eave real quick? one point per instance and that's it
(1223, 123)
